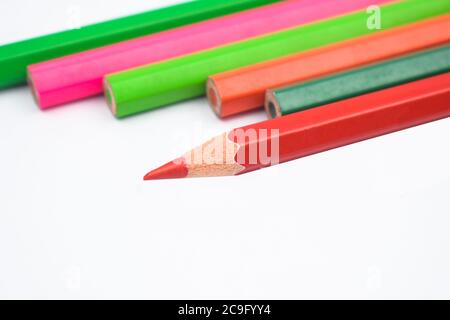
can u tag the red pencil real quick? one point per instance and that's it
(304, 133)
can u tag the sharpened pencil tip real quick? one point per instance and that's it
(173, 170)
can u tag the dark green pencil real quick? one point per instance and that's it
(307, 95)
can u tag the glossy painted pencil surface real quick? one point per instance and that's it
(178, 79)
(79, 76)
(316, 130)
(352, 83)
(244, 89)
(15, 57)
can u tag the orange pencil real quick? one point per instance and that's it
(243, 89)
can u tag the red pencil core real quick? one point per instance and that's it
(173, 170)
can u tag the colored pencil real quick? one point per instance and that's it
(182, 78)
(81, 75)
(15, 57)
(244, 89)
(352, 83)
(316, 130)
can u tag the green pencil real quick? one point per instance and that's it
(160, 84)
(357, 82)
(15, 57)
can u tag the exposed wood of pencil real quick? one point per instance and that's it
(202, 161)
(316, 130)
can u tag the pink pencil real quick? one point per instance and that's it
(78, 76)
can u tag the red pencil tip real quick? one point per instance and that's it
(173, 170)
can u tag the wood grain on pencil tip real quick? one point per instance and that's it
(316, 130)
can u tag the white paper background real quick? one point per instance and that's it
(369, 220)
